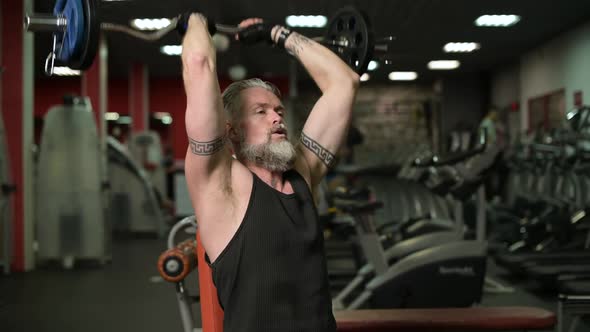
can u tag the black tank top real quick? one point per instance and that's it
(272, 275)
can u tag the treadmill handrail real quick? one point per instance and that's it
(456, 158)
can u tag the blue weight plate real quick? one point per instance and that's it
(87, 53)
(74, 38)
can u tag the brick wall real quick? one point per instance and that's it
(392, 119)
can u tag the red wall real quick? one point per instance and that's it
(166, 95)
(49, 92)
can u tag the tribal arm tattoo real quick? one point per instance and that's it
(325, 156)
(297, 43)
(207, 148)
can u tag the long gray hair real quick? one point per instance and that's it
(231, 96)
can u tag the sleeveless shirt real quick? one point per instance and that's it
(272, 275)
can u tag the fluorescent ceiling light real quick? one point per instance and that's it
(160, 115)
(111, 116)
(150, 23)
(125, 119)
(237, 72)
(65, 71)
(167, 119)
(460, 47)
(171, 49)
(373, 65)
(306, 21)
(221, 42)
(497, 20)
(443, 64)
(403, 75)
(365, 77)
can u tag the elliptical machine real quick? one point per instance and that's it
(455, 269)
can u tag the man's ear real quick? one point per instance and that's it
(231, 132)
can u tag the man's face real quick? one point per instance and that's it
(263, 137)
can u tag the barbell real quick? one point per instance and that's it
(75, 25)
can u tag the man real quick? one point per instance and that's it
(256, 215)
(489, 123)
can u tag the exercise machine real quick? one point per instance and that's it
(134, 204)
(71, 223)
(6, 189)
(146, 149)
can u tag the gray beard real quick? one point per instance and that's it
(273, 156)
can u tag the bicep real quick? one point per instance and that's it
(323, 133)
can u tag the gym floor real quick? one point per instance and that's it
(128, 295)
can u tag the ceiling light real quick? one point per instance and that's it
(373, 65)
(403, 75)
(111, 116)
(65, 71)
(125, 119)
(171, 49)
(160, 115)
(221, 42)
(237, 72)
(150, 23)
(497, 20)
(306, 21)
(460, 47)
(365, 77)
(167, 119)
(443, 64)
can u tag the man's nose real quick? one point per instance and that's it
(276, 117)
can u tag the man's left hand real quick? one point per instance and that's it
(255, 30)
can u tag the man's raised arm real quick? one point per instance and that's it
(204, 119)
(207, 160)
(328, 122)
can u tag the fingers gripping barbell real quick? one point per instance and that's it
(75, 25)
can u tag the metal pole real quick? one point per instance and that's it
(481, 232)
(28, 142)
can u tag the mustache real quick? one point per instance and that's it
(279, 129)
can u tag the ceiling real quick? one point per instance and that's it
(420, 28)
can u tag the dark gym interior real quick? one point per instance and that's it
(458, 187)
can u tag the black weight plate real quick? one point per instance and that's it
(351, 25)
(91, 37)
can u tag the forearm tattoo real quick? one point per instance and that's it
(325, 156)
(207, 148)
(297, 43)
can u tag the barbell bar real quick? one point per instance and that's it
(45, 22)
(75, 27)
